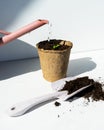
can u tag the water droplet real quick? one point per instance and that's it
(49, 31)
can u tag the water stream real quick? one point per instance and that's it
(49, 31)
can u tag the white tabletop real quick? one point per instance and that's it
(22, 79)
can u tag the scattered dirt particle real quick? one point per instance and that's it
(57, 103)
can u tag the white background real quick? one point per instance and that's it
(80, 21)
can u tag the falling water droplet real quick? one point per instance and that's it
(49, 31)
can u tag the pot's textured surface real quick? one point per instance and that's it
(54, 63)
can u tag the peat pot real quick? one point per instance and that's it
(54, 58)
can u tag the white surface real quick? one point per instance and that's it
(21, 80)
(78, 21)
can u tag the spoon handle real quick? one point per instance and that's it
(22, 107)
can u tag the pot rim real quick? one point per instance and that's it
(69, 43)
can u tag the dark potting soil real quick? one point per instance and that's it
(52, 45)
(95, 91)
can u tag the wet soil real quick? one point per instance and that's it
(52, 45)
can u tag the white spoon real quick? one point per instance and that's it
(22, 107)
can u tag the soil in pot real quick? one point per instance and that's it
(52, 45)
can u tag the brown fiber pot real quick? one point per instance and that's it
(54, 63)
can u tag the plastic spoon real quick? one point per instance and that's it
(22, 107)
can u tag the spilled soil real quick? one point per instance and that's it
(95, 91)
